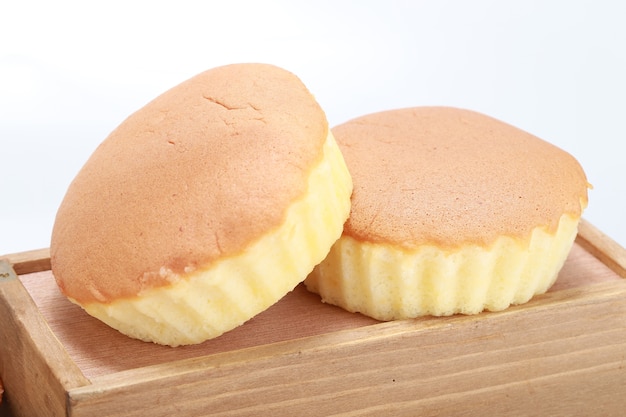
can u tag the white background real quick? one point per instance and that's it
(70, 72)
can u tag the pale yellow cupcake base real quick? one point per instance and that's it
(386, 283)
(211, 301)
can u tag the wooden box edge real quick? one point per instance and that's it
(31, 357)
(69, 388)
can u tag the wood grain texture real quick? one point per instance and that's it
(563, 353)
(35, 366)
(30, 261)
(100, 350)
(602, 247)
(491, 364)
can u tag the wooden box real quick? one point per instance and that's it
(563, 353)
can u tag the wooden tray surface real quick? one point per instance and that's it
(302, 356)
(99, 350)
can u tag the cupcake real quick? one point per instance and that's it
(452, 212)
(203, 208)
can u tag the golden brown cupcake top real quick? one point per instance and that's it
(448, 177)
(199, 173)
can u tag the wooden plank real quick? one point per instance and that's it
(602, 247)
(30, 261)
(475, 364)
(563, 351)
(99, 350)
(35, 367)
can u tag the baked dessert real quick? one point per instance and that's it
(203, 208)
(452, 212)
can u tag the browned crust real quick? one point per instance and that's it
(198, 173)
(447, 177)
